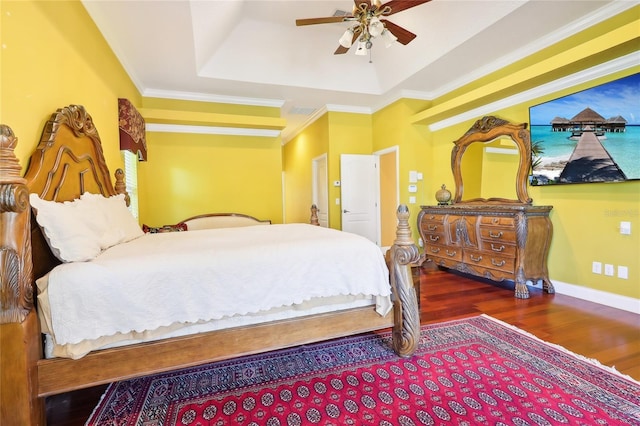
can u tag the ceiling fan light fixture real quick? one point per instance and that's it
(388, 38)
(347, 38)
(376, 27)
(361, 50)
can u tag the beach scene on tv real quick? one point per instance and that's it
(589, 136)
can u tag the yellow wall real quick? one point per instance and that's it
(189, 174)
(392, 127)
(186, 175)
(52, 56)
(298, 155)
(334, 133)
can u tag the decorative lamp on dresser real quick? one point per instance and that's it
(498, 238)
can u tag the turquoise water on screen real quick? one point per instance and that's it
(624, 148)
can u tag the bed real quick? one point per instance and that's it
(69, 165)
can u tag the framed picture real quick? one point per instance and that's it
(588, 136)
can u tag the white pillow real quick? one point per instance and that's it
(79, 230)
(117, 223)
(67, 228)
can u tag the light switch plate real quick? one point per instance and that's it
(623, 272)
(596, 267)
(608, 270)
(625, 228)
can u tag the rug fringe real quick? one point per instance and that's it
(98, 405)
(592, 361)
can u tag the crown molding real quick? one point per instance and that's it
(210, 130)
(602, 70)
(206, 97)
(606, 12)
(349, 108)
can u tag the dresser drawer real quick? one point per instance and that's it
(490, 234)
(442, 251)
(432, 238)
(509, 222)
(429, 227)
(489, 260)
(499, 248)
(433, 217)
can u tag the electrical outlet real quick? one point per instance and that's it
(623, 272)
(596, 267)
(608, 270)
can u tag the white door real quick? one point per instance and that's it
(360, 182)
(320, 190)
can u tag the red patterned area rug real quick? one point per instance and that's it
(477, 371)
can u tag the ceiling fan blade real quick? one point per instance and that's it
(404, 36)
(400, 5)
(327, 20)
(341, 50)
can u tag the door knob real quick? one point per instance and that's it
(345, 211)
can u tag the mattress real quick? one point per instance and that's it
(170, 284)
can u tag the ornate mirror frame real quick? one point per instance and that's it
(487, 129)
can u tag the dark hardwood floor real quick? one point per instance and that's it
(609, 335)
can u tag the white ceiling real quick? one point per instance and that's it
(251, 51)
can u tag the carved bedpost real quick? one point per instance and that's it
(20, 346)
(314, 215)
(16, 295)
(406, 330)
(120, 186)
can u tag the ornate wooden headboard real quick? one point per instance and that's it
(69, 159)
(67, 162)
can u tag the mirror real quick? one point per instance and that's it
(490, 163)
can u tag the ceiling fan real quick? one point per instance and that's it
(369, 22)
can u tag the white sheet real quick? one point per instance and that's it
(314, 306)
(197, 276)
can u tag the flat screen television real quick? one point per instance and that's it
(589, 136)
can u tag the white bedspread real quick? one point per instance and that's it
(186, 277)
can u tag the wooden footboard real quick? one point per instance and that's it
(26, 378)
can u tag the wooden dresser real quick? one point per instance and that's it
(494, 241)
(502, 237)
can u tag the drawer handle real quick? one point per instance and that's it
(494, 263)
(498, 249)
(498, 235)
(432, 217)
(435, 250)
(451, 254)
(432, 227)
(495, 220)
(476, 259)
(434, 237)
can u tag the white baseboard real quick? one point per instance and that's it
(625, 303)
